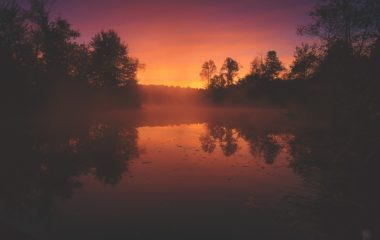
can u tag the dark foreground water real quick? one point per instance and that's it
(180, 174)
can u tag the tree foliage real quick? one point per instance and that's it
(40, 55)
(14, 45)
(257, 67)
(305, 63)
(111, 65)
(230, 71)
(208, 71)
(356, 22)
(272, 66)
(53, 40)
(217, 82)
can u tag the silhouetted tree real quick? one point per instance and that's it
(257, 67)
(41, 60)
(208, 71)
(256, 74)
(354, 22)
(14, 46)
(272, 66)
(80, 64)
(217, 82)
(305, 62)
(111, 65)
(53, 40)
(230, 70)
(17, 59)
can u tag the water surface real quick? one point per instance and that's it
(151, 175)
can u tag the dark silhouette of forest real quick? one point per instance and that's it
(330, 91)
(44, 163)
(333, 83)
(42, 65)
(341, 168)
(337, 73)
(165, 96)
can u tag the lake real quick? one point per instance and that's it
(166, 173)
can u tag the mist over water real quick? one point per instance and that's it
(88, 152)
(166, 171)
(175, 171)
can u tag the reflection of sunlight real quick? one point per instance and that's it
(181, 133)
(181, 164)
(199, 151)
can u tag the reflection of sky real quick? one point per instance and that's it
(174, 185)
(173, 38)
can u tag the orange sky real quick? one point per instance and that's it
(173, 38)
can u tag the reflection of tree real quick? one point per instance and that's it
(208, 143)
(32, 175)
(262, 145)
(340, 164)
(39, 166)
(110, 150)
(344, 170)
(265, 147)
(228, 142)
(222, 134)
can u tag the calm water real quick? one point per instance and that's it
(161, 175)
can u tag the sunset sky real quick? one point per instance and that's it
(173, 37)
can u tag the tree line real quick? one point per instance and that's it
(336, 72)
(40, 54)
(226, 77)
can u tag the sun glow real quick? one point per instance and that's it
(174, 38)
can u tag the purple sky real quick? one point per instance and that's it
(173, 37)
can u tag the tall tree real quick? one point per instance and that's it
(217, 82)
(230, 70)
(305, 62)
(208, 71)
(257, 67)
(111, 64)
(12, 32)
(53, 40)
(272, 66)
(356, 22)
(16, 52)
(80, 64)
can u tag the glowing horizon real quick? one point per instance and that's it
(174, 38)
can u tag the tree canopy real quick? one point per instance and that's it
(355, 22)
(305, 61)
(42, 55)
(272, 66)
(111, 65)
(208, 71)
(230, 70)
